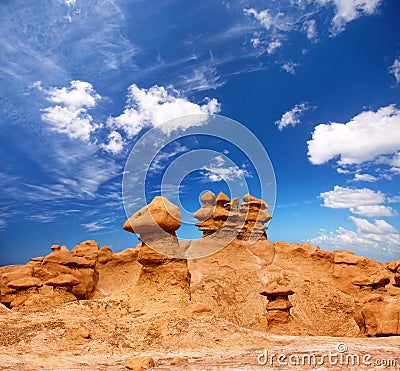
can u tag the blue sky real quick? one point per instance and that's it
(316, 81)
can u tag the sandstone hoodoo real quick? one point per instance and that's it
(247, 220)
(158, 297)
(164, 274)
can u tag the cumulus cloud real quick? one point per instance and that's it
(395, 69)
(362, 201)
(289, 67)
(364, 138)
(349, 10)
(272, 46)
(263, 16)
(115, 143)
(364, 178)
(372, 210)
(379, 234)
(70, 114)
(154, 106)
(292, 117)
(218, 171)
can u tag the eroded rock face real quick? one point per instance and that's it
(245, 221)
(59, 277)
(381, 317)
(276, 287)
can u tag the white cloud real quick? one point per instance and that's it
(289, 67)
(310, 28)
(395, 69)
(364, 178)
(272, 46)
(393, 199)
(373, 210)
(94, 226)
(292, 117)
(80, 94)
(362, 201)
(202, 78)
(343, 171)
(115, 143)
(395, 163)
(154, 106)
(365, 137)
(69, 2)
(349, 10)
(217, 171)
(344, 198)
(262, 16)
(157, 164)
(255, 41)
(69, 115)
(379, 234)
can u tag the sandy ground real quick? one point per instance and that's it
(103, 334)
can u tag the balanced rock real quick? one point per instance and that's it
(164, 274)
(159, 214)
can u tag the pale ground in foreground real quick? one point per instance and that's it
(103, 334)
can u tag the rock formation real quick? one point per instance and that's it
(57, 278)
(164, 274)
(274, 287)
(245, 221)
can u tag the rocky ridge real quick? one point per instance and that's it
(267, 287)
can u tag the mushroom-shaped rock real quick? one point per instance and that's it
(209, 201)
(159, 214)
(222, 199)
(63, 280)
(204, 212)
(208, 198)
